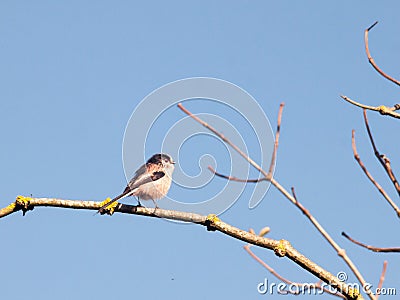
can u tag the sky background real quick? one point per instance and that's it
(72, 74)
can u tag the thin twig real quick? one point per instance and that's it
(381, 279)
(341, 252)
(307, 213)
(358, 104)
(222, 137)
(371, 60)
(265, 265)
(372, 248)
(383, 110)
(287, 281)
(374, 182)
(232, 178)
(276, 144)
(383, 159)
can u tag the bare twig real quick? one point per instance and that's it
(304, 286)
(383, 159)
(381, 279)
(299, 205)
(276, 144)
(222, 137)
(341, 252)
(232, 178)
(372, 248)
(371, 60)
(273, 159)
(265, 265)
(375, 183)
(383, 110)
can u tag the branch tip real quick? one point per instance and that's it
(372, 26)
(372, 248)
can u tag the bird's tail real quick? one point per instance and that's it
(102, 209)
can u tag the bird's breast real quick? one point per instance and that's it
(154, 190)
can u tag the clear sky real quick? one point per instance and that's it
(72, 74)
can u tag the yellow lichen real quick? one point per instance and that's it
(109, 209)
(212, 218)
(383, 109)
(355, 294)
(23, 201)
(280, 250)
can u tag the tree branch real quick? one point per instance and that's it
(372, 248)
(341, 252)
(371, 60)
(276, 144)
(273, 158)
(287, 281)
(382, 278)
(226, 140)
(374, 182)
(383, 110)
(383, 159)
(281, 248)
(232, 178)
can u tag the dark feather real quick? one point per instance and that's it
(157, 175)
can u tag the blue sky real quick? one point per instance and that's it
(72, 74)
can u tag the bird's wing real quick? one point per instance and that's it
(139, 180)
(149, 177)
(139, 172)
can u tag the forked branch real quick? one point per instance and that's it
(382, 109)
(383, 159)
(341, 252)
(368, 174)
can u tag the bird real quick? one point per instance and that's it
(150, 182)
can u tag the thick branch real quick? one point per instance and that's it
(212, 222)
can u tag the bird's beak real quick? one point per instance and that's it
(172, 162)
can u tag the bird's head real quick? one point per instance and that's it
(163, 160)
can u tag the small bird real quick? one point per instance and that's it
(150, 182)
